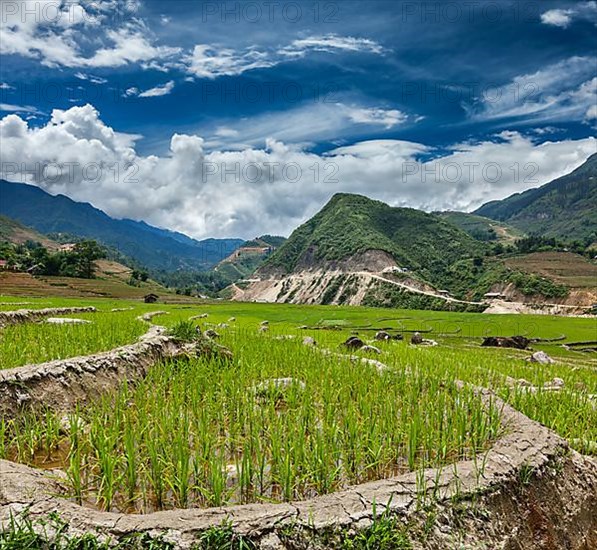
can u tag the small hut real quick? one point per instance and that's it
(151, 298)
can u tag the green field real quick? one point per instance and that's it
(206, 432)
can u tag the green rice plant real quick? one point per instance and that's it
(108, 458)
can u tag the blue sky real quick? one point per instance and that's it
(369, 86)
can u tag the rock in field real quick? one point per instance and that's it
(371, 349)
(354, 342)
(542, 358)
(309, 341)
(66, 321)
(383, 335)
(416, 339)
(516, 342)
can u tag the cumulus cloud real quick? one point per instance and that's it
(557, 18)
(271, 189)
(564, 17)
(562, 91)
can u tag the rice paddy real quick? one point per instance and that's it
(282, 421)
(42, 341)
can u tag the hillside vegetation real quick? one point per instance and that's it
(563, 208)
(352, 224)
(481, 228)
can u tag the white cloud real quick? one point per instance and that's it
(308, 123)
(385, 117)
(224, 132)
(18, 108)
(56, 34)
(211, 62)
(557, 18)
(5, 86)
(562, 91)
(253, 191)
(208, 61)
(331, 43)
(91, 78)
(158, 91)
(564, 17)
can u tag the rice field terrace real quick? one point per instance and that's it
(282, 420)
(42, 341)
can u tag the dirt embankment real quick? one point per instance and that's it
(30, 315)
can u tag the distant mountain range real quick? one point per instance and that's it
(564, 208)
(152, 247)
(432, 245)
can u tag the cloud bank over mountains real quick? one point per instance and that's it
(246, 192)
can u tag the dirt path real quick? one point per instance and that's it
(416, 290)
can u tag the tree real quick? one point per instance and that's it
(87, 253)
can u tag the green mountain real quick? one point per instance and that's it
(247, 258)
(150, 246)
(352, 224)
(563, 208)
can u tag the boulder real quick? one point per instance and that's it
(354, 342)
(66, 321)
(309, 341)
(556, 383)
(542, 358)
(232, 319)
(371, 349)
(211, 334)
(516, 342)
(416, 339)
(430, 343)
(383, 335)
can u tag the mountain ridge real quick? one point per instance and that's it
(564, 207)
(153, 247)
